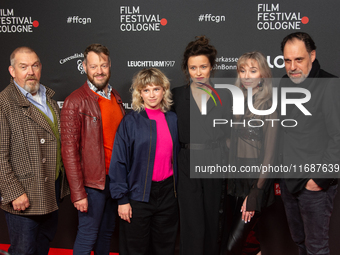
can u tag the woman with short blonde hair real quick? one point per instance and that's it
(143, 170)
(144, 78)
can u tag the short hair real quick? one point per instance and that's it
(98, 49)
(302, 36)
(151, 76)
(23, 49)
(198, 47)
(263, 97)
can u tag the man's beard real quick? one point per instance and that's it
(298, 80)
(100, 85)
(31, 86)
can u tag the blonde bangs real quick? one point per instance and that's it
(152, 77)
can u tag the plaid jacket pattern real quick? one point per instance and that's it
(28, 153)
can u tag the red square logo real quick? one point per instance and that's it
(277, 189)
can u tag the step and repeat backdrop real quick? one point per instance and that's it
(145, 33)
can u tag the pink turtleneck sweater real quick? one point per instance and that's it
(162, 168)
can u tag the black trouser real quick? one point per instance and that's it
(308, 215)
(200, 214)
(153, 226)
(32, 234)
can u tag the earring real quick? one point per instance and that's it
(260, 84)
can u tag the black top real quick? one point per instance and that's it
(195, 128)
(253, 144)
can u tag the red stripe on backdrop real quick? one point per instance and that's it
(53, 251)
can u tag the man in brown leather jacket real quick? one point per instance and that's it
(89, 120)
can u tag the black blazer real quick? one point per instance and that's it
(203, 131)
(316, 138)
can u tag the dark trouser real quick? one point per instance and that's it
(32, 234)
(154, 224)
(241, 230)
(96, 226)
(200, 213)
(308, 215)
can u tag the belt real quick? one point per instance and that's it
(201, 146)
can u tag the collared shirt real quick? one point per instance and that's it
(39, 100)
(101, 92)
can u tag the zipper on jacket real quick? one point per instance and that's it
(173, 153)
(147, 169)
(173, 168)
(94, 118)
(174, 185)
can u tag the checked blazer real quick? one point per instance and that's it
(28, 153)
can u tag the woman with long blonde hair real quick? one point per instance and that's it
(252, 144)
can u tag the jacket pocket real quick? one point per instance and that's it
(93, 118)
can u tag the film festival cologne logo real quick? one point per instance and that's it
(10, 22)
(132, 19)
(274, 16)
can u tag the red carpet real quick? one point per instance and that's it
(53, 251)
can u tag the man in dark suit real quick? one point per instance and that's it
(32, 178)
(308, 195)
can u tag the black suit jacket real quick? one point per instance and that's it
(316, 138)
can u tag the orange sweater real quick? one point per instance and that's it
(111, 117)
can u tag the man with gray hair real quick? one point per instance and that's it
(32, 178)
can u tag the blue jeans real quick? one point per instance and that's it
(308, 215)
(96, 226)
(32, 234)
